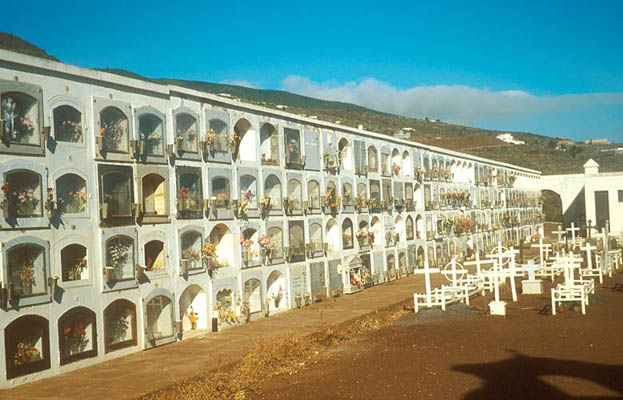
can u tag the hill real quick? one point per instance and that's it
(538, 153)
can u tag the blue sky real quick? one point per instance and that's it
(551, 67)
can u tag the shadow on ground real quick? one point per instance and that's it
(524, 377)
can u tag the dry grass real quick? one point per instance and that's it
(268, 358)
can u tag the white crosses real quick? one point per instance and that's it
(427, 271)
(453, 274)
(478, 263)
(573, 229)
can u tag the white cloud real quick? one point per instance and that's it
(240, 82)
(455, 103)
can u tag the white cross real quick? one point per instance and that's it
(427, 271)
(559, 232)
(570, 263)
(589, 259)
(573, 229)
(454, 272)
(511, 266)
(478, 263)
(543, 248)
(531, 268)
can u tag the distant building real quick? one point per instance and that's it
(611, 152)
(404, 133)
(508, 138)
(597, 141)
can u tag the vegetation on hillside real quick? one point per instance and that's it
(19, 45)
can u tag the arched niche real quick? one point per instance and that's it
(252, 295)
(420, 258)
(246, 146)
(26, 346)
(155, 255)
(114, 130)
(191, 242)
(391, 263)
(373, 159)
(74, 263)
(420, 231)
(159, 318)
(250, 245)
(276, 237)
(154, 190)
(21, 115)
(396, 162)
(295, 194)
(248, 190)
(407, 166)
(409, 228)
(193, 300)
(151, 130)
(68, 126)
(116, 194)
(27, 270)
(220, 190)
(332, 235)
(432, 261)
(313, 194)
(347, 234)
(376, 226)
(186, 131)
(120, 256)
(223, 238)
(276, 290)
(272, 190)
(399, 229)
(71, 194)
(119, 325)
(24, 193)
(269, 144)
(77, 332)
(345, 152)
(363, 233)
(315, 236)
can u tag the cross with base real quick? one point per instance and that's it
(573, 229)
(426, 272)
(531, 269)
(589, 261)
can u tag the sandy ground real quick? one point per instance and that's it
(465, 353)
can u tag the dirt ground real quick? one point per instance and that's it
(465, 353)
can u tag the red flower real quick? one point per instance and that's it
(67, 331)
(6, 188)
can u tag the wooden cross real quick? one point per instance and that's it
(573, 229)
(427, 271)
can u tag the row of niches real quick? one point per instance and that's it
(21, 124)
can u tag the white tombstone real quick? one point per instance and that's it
(531, 285)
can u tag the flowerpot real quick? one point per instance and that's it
(105, 209)
(109, 272)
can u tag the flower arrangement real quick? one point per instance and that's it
(75, 201)
(69, 131)
(112, 134)
(396, 168)
(265, 241)
(265, 203)
(234, 139)
(26, 270)
(49, 202)
(222, 196)
(211, 135)
(5, 199)
(26, 201)
(75, 272)
(371, 203)
(355, 278)
(117, 252)
(226, 314)
(121, 327)
(191, 255)
(419, 172)
(26, 353)
(75, 337)
(209, 250)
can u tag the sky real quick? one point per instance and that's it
(549, 67)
